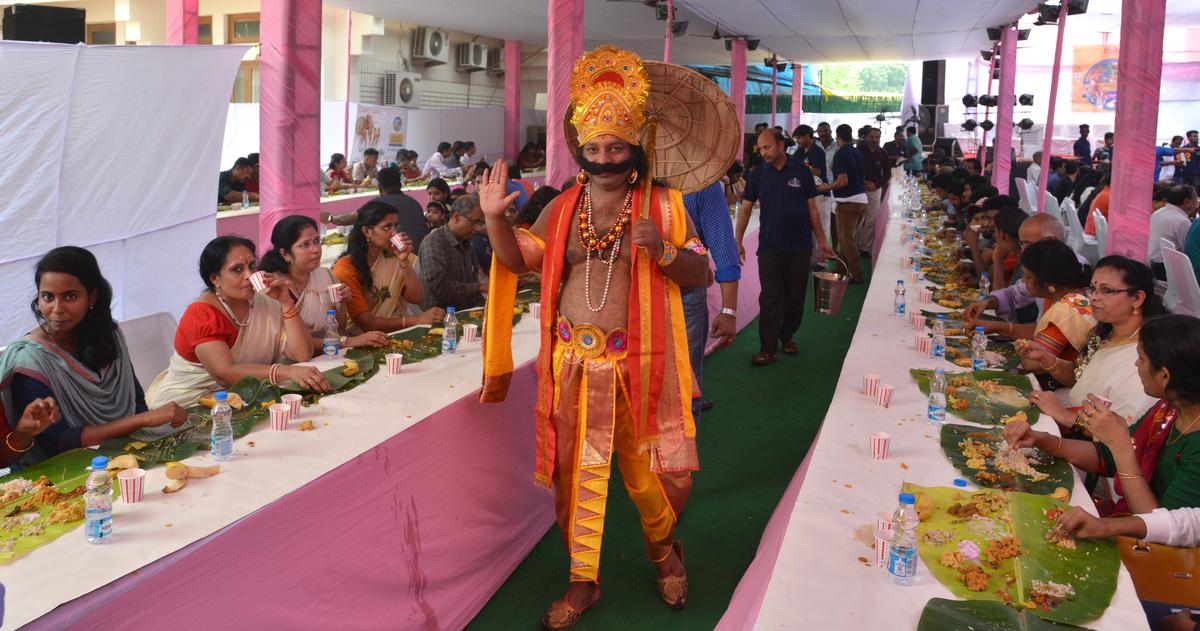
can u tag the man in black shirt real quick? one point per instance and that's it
(897, 149)
(789, 219)
(232, 183)
(412, 218)
(1083, 146)
(849, 198)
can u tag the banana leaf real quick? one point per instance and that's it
(941, 614)
(68, 471)
(967, 399)
(1004, 354)
(954, 321)
(337, 381)
(1060, 472)
(1090, 569)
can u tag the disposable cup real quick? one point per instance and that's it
(259, 281)
(923, 343)
(133, 482)
(279, 414)
(883, 522)
(535, 310)
(885, 395)
(880, 442)
(293, 403)
(399, 244)
(883, 548)
(394, 361)
(335, 292)
(470, 333)
(871, 385)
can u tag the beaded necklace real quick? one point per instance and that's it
(594, 245)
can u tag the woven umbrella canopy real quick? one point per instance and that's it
(697, 135)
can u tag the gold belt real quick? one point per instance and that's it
(590, 341)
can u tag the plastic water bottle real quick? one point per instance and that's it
(902, 556)
(329, 343)
(978, 348)
(937, 397)
(245, 199)
(450, 335)
(97, 516)
(985, 285)
(939, 337)
(898, 305)
(222, 429)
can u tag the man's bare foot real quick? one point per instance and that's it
(565, 612)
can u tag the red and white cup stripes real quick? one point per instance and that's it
(884, 398)
(259, 281)
(923, 343)
(293, 403)
(279, 414)
(394, 361)
(133, 483)
(871, 385)
(881, 442)
(470, 333)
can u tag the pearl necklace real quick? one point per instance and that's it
(240, 325)
(617, 233)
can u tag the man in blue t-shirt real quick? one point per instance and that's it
(1083, 146)
(788, 222)
(850, 197)
(1190, 173)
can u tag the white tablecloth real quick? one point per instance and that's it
(818, 581)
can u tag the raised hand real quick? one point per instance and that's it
(494, 197)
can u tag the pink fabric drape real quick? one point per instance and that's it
(987, 111)
(512, 99)
(737, 85)
(797, 94)
(670, 27)
(774, 89)
(565, 22)
(1047, 139)
(346, 110)
(183, 21)
(1142, 23)
(1004, 111)
(290, 112)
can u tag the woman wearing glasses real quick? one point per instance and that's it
(1122, 298)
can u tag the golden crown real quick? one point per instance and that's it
(609, 87)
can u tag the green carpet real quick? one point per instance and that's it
(750, 446)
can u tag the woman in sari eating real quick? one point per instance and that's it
(1160, 467)
(1053, 274)
(70, 382)
(382, 281)
(231, 331)
(296, 255)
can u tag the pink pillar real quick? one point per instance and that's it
(737, 85)
(512, 99)
(290, 112)
(797, 94)
(565, 23)
(1048, 137)
(346, 110)
(183, 21)
(670, 27)
(987, 112)
(1004, 110)
(1142, 23)
(774, 88)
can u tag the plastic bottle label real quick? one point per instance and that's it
(330, 349)
(978, 363)
(902, 562)
(939, 350)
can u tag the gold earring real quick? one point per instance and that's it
(582, 178)
(1052, 289)
(633, 176)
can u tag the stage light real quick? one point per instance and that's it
(716, 33)
(986, 54)
(970, 101)
(752, 44)
(679, 29)
(988, 100)
(1025, 99)
(1022, 34)
(987, 125)
(1076, 7)
(970, 125)
(993, 33)
(1047, 14)
(1025, 124)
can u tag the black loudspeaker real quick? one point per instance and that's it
(933, 82)
(38, 23)
(949, 146)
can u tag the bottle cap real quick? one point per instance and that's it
(99, 463)
(939, 371)
(961, 483)
(907, 498)
(221, 396)
(449, 309)
(941, 316)
(979, 329)
(331, 312)
(899, 282)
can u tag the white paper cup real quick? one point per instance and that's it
(471, 333)
(133, 483)
(394, 361)
(918, 323)
(279, 416)
(926, 296)
(870, 385)
(923, 343)
(398, 244)
(535, 310)
(335, 292)
(885, 395)
(880, 442)
(259, 281)
(293, 403)
(883, 548)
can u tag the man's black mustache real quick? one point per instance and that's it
(595, 168)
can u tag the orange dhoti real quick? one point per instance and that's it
(593, 423)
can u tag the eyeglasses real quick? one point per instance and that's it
(1108, 291)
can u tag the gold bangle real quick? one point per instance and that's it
(1129, 476)
(14, 449)
(288, 315)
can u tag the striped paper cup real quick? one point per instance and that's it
(470, 332)
(293, 403)
(880, 442)
(918, 322)
(871, 385)
(279, 416)
(133, 482)
(535, 310)
(259, 281)
(883, 548)
(335, 292)
(923, 343)
(398, 244)
(926, 296)
(885, 397)
(913, 279)
(394, 361)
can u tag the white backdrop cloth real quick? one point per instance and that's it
(122, 146)
(817, 581)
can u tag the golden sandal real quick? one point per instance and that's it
(674, 589)
(563, 615)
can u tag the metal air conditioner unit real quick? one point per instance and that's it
(401, 89)
(472, 57)
(430, 46)
(495, 64)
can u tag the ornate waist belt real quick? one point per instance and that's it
(590, 341)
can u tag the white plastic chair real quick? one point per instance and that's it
(1051, 204)
(1023, 194)
(1083, 244)
(150, 340)
(1181, 280)
(1101, 233)
(1068, 206)
(1170, 290)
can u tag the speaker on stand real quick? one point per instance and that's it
(39, 23)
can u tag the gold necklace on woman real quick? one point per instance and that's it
(1181, 432)
(240, 325)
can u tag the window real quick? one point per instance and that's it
(245, 87)
(241, 28)
(204, 30)
(102, 33)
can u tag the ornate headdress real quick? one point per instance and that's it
(609, 87)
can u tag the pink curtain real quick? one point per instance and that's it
(512, 99)
(1142, 23)
(667, 36)
(1044, 173)
(565, 22)
(774, 89)
(797, 94)
(737, 84)
(1004, 111)
(290, 111)
(182, 21)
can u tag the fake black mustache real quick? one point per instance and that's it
(595, 168)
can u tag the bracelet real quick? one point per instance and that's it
(1052, 366)
(668, 255)
(729, 312)
(271, 375)
(288, 315)
(14, 449)
(694, 244)
(1129, 476)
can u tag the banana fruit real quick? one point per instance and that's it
(235, 401)
(122, 462)
(350, 368)
(179, 473)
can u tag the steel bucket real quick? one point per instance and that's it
(829, 288)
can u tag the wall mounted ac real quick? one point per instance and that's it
(495, 62)
(431, 47)
(401, 89)
(472, 57)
